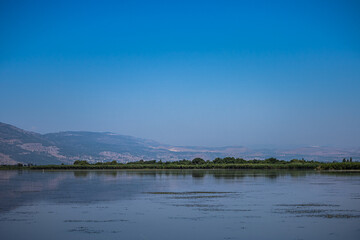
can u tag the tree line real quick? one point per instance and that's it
(220, 163)
(199, 163)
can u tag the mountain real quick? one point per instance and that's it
(17, 145)
(20, 146)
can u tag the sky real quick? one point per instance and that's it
(208, 73)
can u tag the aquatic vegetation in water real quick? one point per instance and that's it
(96, 221)
(14, 220)
(198, 205)
(315, 210)
(198, 197)
(224, 210)
(308, 205)
(86, 230)
(187, 218)
(335, 216)
(186, 193)
(193, 195)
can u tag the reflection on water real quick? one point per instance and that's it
(179, 204)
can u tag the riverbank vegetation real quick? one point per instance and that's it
(198, 163)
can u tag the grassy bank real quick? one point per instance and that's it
(198, 163)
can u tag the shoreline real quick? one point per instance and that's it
(328, 167)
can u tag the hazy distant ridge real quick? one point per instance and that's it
(17, 145)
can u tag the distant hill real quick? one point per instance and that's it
(17, 145)
(20, 146)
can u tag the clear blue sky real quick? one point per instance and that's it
(208, 73)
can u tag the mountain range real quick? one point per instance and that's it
(20, 146)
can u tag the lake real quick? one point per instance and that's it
(188, 204)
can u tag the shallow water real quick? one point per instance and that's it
(189, 204)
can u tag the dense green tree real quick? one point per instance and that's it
(150, 162)
(81, 162)
(184, 162)
(198, 161)
(271, 160)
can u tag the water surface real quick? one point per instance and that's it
(188, 204)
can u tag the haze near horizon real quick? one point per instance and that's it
(209, 73)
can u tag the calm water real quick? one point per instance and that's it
(157, 205)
